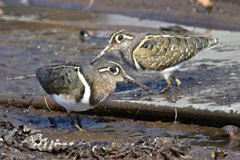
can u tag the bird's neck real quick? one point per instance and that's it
(102, 87)
(126, 55)
(127, 52)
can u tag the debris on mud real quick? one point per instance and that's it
(231, 129)
(83, 35)
(24, 138)
(234, 140)
(219, 153)
(176, 29)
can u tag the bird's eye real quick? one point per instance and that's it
(119, 38)
(114, 70)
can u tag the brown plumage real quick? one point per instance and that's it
(79, 87)
(162, 51)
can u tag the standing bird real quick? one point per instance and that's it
(162, 52)
(79, 87)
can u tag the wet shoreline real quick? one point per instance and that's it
(32, 37)
(223, 14)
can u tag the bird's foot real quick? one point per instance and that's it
(177, 81)
(78, 120)
(167, 88)
(77, 127)
(71, 121)
(164, 90)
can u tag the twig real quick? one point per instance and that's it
(175, 120)
(156, 145)
(20, 77)
(136, 113)
(30, 106)
(46, 104)
(90, 4)
(128, 156)
(119, 155)
(97, 156)
(72, 152)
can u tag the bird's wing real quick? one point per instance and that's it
(60, 79)
(160, 51)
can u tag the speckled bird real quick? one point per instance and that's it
(161, 52)
(79, 87)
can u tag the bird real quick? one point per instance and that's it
(160, 52)
(80, 86)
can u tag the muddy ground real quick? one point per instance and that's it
(33, 36)
(218, 14)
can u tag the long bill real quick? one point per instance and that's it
(130, 79)
(100, 55)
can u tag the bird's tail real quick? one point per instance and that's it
(213, 41)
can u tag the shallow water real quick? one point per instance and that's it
(32, 37)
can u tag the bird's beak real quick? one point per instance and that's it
(107, 49)
(130, 79)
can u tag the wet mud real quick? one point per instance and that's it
(218, 14)
(32, 37)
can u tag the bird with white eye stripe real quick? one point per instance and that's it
(79, 87)
(161, 52)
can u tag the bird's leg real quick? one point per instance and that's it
(78, 120)
(169, 86)
(70, 120)
(178, 82)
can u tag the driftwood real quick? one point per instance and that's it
(47, 102)
(38, 102)
(137, 109)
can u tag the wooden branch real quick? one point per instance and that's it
(37, 102)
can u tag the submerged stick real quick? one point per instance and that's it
(26, 101)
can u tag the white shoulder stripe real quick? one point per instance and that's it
(87, 93)
(138, 67)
